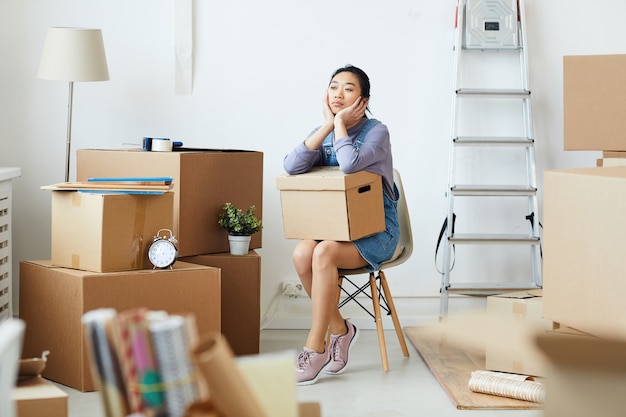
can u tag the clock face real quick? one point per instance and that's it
(162, 253)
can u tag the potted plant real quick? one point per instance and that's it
(240, 226)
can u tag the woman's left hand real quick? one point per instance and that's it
(351, 115)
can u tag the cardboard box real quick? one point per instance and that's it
(203, 180)
(241, 298)
(310, 409)
(37, 397)
(587, 378)
(594, 87)
(106, 232)
(520, 355)
(583, 249)
(326, 204)
(53, 300)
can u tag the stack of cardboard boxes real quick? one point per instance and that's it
(584, 260)
(584, 207)
(99, 254)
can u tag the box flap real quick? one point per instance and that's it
(584, 352)
(36, 388)
(520, 295)
(176, 150)
(617, 172)
(178, 265)
(324, 178)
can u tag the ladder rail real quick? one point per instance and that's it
(447, 249)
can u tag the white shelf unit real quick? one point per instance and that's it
(6, 241)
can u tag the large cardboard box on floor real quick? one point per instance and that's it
(53, 300)
(203, 180)
(241, 298)
(106, 232)
(520, 355)
(37, 397)
(587, 377)
(583, 249)
(326, 204)
(594, 87)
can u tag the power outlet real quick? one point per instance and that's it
(293, 289)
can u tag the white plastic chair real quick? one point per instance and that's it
(379, 290)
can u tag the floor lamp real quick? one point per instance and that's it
(73, 54)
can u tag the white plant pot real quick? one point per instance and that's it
(239, 245)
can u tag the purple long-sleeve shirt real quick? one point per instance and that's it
(374, 155)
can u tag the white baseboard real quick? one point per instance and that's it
(294, 313)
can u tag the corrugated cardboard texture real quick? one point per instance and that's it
(241, 298)
(203, 180)
(37, 397)
(106, 232)
(594, 87)
(583, 255)
(588, 376)
(325, 204)
(53, 300)
(519, 355)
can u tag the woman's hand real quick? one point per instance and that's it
(329, 116)
(351, 115)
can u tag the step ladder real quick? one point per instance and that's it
(490, 37)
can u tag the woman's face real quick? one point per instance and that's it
(343, 91)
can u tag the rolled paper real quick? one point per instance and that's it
(99, 327)
(519, 387)
(140, 371)
(228, 390)
(171, 351)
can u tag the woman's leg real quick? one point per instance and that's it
(326, 258)
(303, 260)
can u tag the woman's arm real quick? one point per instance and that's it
(374, 150)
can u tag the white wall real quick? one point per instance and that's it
(260, 68)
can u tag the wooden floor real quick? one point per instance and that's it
(452, 367)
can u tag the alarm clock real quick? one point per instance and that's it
(163, 250)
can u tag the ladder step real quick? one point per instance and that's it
(486, 238)
(493, 190)
(493, 141)
(489, 288)
(492, 93)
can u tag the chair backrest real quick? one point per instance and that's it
(11, 334)
(406, 234)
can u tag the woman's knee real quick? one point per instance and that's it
(303, 253)
(324, 254)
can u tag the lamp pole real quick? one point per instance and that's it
(68, 143)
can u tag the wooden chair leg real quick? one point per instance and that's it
(379, 322)
(394, 316)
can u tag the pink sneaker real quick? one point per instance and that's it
(340, 346)
(310, 365)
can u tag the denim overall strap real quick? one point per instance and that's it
(330, 158)
(359, 140)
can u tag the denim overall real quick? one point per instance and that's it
(379, 247)
(330, 157)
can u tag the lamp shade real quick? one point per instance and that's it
(73, 54)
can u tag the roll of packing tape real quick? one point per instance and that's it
(161, 145)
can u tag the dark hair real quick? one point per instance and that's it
(360, 74)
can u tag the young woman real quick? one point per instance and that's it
(350, 140)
